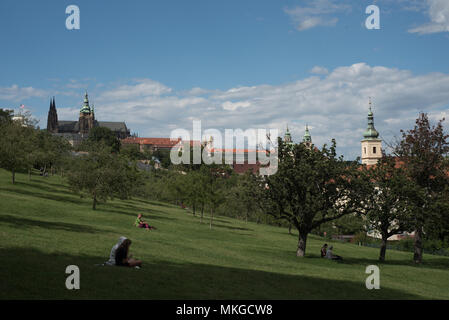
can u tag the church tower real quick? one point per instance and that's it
(87, 118)
(52, 119)
(307, 139)
(371, 144)
(288, 138)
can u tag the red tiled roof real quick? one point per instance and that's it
(152, 141)
(235, 150)
(157, 142)
(244, 167)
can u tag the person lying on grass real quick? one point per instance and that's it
(330, 255)
(142, 224)
(123, 258)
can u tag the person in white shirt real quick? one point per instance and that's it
(330, 255)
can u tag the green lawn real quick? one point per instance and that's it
(44, 228)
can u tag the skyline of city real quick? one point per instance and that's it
(160, 65)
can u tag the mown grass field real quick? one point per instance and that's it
(44, 228)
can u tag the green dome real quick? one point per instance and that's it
(370, 132)
(85, 108)
(307, 137)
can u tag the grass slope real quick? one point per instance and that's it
(44, 228)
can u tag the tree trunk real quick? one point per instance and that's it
(13, 176)
(211, 218)
(383, 249)
(302, 244)
(94, 205)
(29, 174)
(290, 228)
(202, 213)
(418, 249)
(193, 208)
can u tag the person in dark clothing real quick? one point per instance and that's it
(122, 258)
(323, 250)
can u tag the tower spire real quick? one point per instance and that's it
(307, 138)
(288, 136)
(370, 132)
(52, 119)
(371, 144)
(85, 108)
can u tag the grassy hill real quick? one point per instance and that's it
(44, 228)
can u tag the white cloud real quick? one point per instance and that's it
(439, 18)
(141, 88)
(228, 105)
(319, 70)
(16, 93)
(334, 105)
(317, 13)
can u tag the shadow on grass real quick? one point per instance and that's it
(23, 223)
(223, 221)
(433, 263)
(43, 195)
(146, 216)
(33, 274)
(229, 227)
(44, 185)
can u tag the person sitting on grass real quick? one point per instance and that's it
(142, 224)
(123, 258)
(330, 255)
(323, 250)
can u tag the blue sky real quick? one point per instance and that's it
(232, 64)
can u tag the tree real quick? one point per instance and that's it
(105, 136)
(132, 151)
(5, 116)
(386, 200)
(199, 188)
(311, 187)
(102, 175)
(163, 156)
(195, 190)
(216, 180)
(347, 225)
(16, 143)
(246, 192)
(50, 151)
(422, 152)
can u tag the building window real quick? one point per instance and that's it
(374, 149)
(364, 150)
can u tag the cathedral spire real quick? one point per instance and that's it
(85, 108)
(52, 119)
